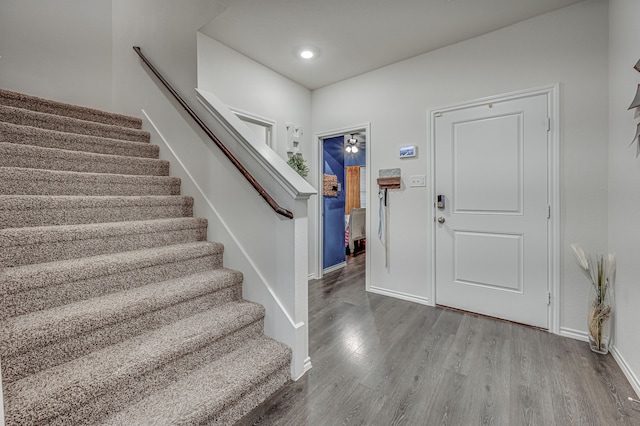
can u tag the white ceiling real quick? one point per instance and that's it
(356, 36)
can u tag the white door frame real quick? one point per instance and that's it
(320, 137)
(552, 92)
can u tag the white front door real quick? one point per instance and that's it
(491, 233)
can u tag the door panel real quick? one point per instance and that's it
(491, 247)
(474, 170)
(490, 260)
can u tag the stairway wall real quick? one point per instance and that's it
(268, 245)
(270, 250)
(58, 50)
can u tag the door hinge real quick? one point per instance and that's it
(548, 212)
(548, 124)
(548, 298)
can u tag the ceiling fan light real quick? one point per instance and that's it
(348, 149)
(354, 149)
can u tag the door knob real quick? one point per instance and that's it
(441, 219)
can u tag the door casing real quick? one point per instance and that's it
(551, 92)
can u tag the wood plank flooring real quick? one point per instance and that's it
(382, 361)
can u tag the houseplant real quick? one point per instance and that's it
(297, 163)
(601, 272)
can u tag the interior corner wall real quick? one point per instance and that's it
(624, 180)
(567, 46)
(58, 50)
(242, 83)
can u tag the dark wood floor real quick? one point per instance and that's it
(381, 361)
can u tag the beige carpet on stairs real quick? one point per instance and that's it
(115, 309)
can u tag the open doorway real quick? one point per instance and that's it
(343, 197)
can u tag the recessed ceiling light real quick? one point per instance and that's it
(307, 54)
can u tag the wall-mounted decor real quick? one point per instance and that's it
(329, 185)
(635, 104)
(389, 179)
(294, 136)
(636, 138)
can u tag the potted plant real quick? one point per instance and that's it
(600, 270)
(297, 163)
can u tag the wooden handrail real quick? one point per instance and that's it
(263, 193)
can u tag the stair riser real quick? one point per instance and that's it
(19, 100)
(17, 255)
(60, 351)
(71, 215)
(73, 291)
(70, 125)
(140, 387)
(12, 155)
(32, 136)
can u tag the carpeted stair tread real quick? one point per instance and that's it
(21, 100)
(43, 210)
(208, 394)
(33, 157)
(113, 306)
(71, 125)
(34, 136)
(119, 366)
(35, 359)
(21, 181)
(30, 288)
(27, 332)
(40, 244)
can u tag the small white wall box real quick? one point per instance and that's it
(407, 151)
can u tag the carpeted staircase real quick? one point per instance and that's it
(115, 309)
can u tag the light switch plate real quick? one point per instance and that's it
(417, 180)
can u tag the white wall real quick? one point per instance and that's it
(568, 46)
(242, 83)
(59, 50)
(624, 181)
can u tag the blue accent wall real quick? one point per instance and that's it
(333, 247)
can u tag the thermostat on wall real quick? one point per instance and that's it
(407, 151)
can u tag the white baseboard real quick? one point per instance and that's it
(307, 367)
(574, 334)
(334, 267)
(633, 380)
(399, 295)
